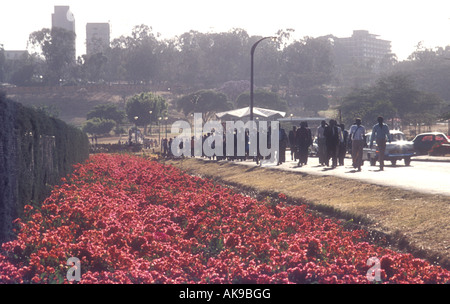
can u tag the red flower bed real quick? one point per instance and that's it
(131, 220)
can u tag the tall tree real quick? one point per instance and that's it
(429, 69)
(207, 102)
(228, 57)
(263, 99)
(191, 46)
(107, 111)
(234, 88)
(315, 103)
(393, 96)
(94, 66)
(58, 48)
(142, 61)
(307, 66)
(98, 126)
(145, 108)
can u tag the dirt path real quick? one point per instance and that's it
(413, 222)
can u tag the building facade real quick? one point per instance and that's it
(97, 38)
(63, 18)
(365, 48)
(16, 55)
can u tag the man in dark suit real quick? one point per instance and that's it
(332, 139)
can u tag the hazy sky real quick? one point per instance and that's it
(404, 22)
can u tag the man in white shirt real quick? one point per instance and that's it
(356, 135)
(381, 134)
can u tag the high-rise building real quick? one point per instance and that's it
(97, 38)
(63, 18)
(363, 47)
(16, 55)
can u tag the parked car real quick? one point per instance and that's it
(398, 149)
(425, 141)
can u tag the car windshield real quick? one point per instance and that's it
(398, 137)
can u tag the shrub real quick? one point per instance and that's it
(99, 126)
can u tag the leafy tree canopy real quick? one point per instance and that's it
(58, 48)
(393, 96)
(234, 88)
(263, 99)
(315, 103)
(98, 126)
(307, 64)
(206, 102)
(145, 108)
(107, 111)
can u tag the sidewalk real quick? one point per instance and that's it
(430, 178)
(431, 158)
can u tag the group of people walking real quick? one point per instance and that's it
(333, 142)
(380, 134)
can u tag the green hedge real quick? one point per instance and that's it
(35, 152)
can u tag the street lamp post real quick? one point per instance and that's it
(252, 53)
(165, 122)
(135, 129)
(150, 124)
(159, 133)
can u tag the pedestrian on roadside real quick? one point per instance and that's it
(164, 146)
(169, 147)
(303, 141)
(332, 139)
(283, 140)
(381, 134)
(357, 136)
(343, 145)
(322, 147)
(292, 142)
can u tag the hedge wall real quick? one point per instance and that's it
(35, 152)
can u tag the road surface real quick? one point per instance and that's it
(422, 176)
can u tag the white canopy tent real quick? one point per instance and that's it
(245, 113)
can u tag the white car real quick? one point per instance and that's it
(398, 149)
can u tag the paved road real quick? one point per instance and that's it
(422, 176)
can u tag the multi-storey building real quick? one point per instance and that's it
(15, 55)
(63, 18)
(363, 47)
(97, 38)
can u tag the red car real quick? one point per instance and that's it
(424, 142)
